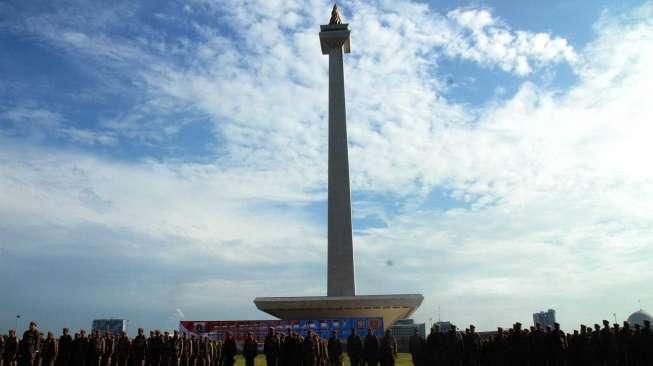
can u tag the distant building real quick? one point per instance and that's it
(403, 329)
(545, 318)
(113, 326)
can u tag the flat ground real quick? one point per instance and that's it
(403, 359)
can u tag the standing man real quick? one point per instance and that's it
(187, 350)
(10, 353)
(65, 348)
(49, 352)
(371, 349)
(472, 346)
(79, 348)
(176, 349)
(354, 348)
(2, 349)
(416, 348)
(109, 348)
(558, 345)
(388, 349)
(271, 348)
(229, 350)
(250, 349)
(334, 348)
(29, 345)
(95, 349)
(122, 349)
(139, 349)
(309, 350)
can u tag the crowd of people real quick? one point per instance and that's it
(537, 346)
(165, 349)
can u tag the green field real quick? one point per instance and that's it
(403, 359)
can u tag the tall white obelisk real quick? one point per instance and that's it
(341, 301)
(334, 39)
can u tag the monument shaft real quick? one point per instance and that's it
(341, 256)
(340, 267)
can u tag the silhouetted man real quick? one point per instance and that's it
(29, 345)
(123, 347)
(10, 353)
(371, 348)
(95, 349)
(334, 349)
(416, 348)
(271, 348)
(388, 349)
(2, 349)
(109, 349)
(64, 348)
(186, 355)
(138, 350)
(229, 350)
(250, 349)
(354, 348)
(309, 350)
(49, 351)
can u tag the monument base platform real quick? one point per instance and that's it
(389, 307)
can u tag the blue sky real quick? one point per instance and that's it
(167, 160)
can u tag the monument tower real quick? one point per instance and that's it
(341, 300)
(334, 39)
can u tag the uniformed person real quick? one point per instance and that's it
(95, 349)
(123, 347)
(138, 351)
(64, 348)
(309, 350)
(80, 349)
(187, 350)
(109, 349)
(472, 346)
(176, 349)
(49, 351)
(29, 346)
(271, 348)
(371, 349)
(416, 348)
(647, 343)
(229, 350)
(2, 349)
(354, 348)
(217, 353)
(388, 349)
(10, 354)
(334, 347)
(166, 349)
(250, 349)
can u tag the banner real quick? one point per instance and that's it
(239, 329)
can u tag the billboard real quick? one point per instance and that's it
(113, 326)
(240, 328)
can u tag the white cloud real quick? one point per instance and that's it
(480, 37)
